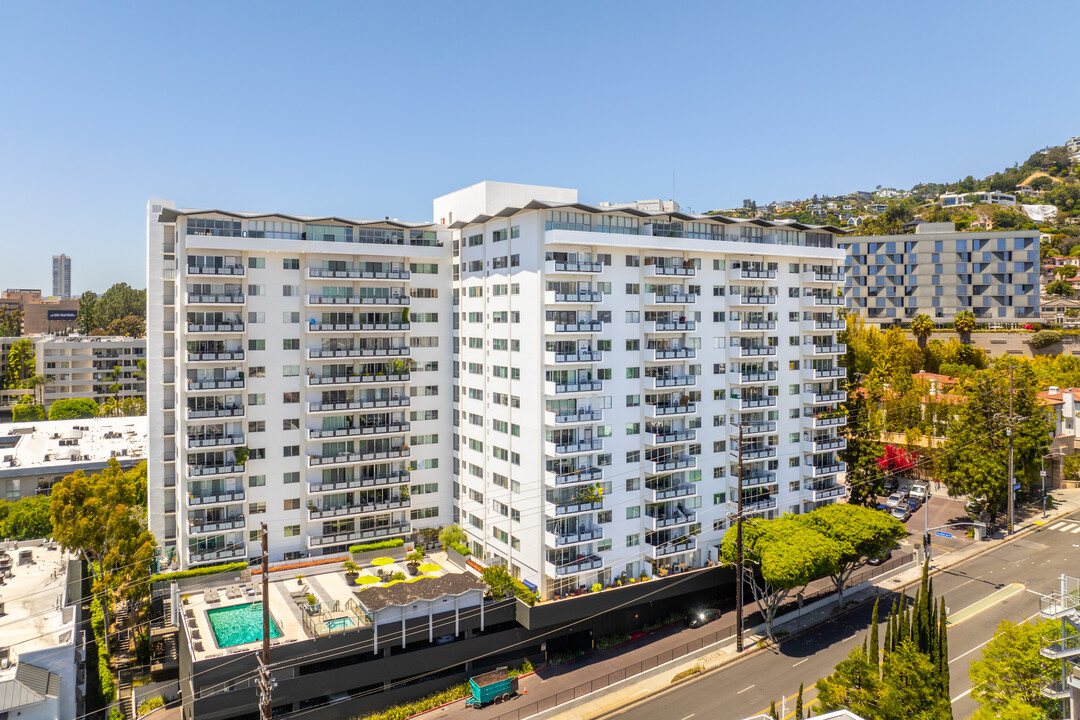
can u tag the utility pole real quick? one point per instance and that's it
(739, 552)
(1009, 431)
(265, 683)
(1042, 475)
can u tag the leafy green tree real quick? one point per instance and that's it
(1011, 668)
(86, 319)
(964, 323)
(452, 534)
(21, 363)
(25, 519)
(911, 688)
(780, 556)
(130, 326)
(11, 321)
(859, 534)
(854, 685)
(1014, 709)
(1060, 288)
(73, 409)
(118, 302)
(26, 410)
(1065, 272)
(921, 327)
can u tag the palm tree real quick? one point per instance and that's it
(922, 326)
(115, 387)
(964, 323)
(40, 381)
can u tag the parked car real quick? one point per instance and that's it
(904, 489)
(919, 492)
(875, 561)
(901, 512)
(913, 505)
(697, 618)
(894, 500)
(882, 507)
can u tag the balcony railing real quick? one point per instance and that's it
(316, 513)
(667, 438)
(755, 377)
(343, 538)
(204, 470)
(758, 505)
(316, 354)
(576, 508)
(388, 428)
(754, 428)
(836, 491)
(581, 386)
(753, 478)
(666, 410)
(750, 403)
(830, 469)
(836, 349)
(574, 448)
(670, 298)
(229, 553)
(359, 327)
(758, 452)
(816, 398)
(581, 356)
(400, 401)
(223, 270)
(358, 300)
(357, 379)
(225, 496)
(751, 325)
(659, 523)
(198, 526)
(579, 327)
(585, 474)
(755, 350)
(827, 300)
(360, 483)
(347, 458)
(389, 274)
(193, 414)
(670, 464)
(581, 415)
(225, 299)
(585, 564)
(756, 299)
(555, 539)
(671, 493)
(670, 326)
(194, 442)
(827, 444)
(235, 327)
(666, 548)
(577, 298)
(659, 354)
(812, 373)
(572, 266)
(229, 355)
(824, 421)
(670, 271)
(215, 384)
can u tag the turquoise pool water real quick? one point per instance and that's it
(239, 624)
(339, 623)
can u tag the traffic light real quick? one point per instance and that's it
(926, 541)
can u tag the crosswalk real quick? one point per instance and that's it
(1069, 526)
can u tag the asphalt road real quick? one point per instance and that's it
(746, 688)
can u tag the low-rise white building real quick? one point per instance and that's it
(34, 456)
(981, 196)
(40, 644)
(87, 366)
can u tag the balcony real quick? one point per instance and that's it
(754, 378)
(314, 541)
(737, 326)
(1056, 691)
(758, 452)
(1056, 606)
(676, 518)
(580, 297)
(389, 428)
(225, 412)
(816, 422)
(823, 470)
(662, 354)
(752, 274)
(824, 277)
(218, 328)
(825, 398)
(313, 380)
(581, 327)
(667, 438)
(317, 513)
(754, 428)
(581, 356)
(208, 470)
(400, 351)
(349, 458)
(826, 300)
(582, 564)
(826, 444)
(196, 299)
(572, 267)
(339, 300)
(809, 326)
(361, 483)
(756, 506)
(674, 381)
(670, 299)
(223, 270)
(221, 498)
(660, 411)
(670, 326)
(671, 464)
(755, 478)
(202, 527)
(667, 271)
(388, 274)
(581, 386)
(391, 326)
(577, 508)
(753, 402)
(746, 351)
(581, 475)
(393, 402)
(194, 385)
(227, 356)
(835, 349)
(577, 537)
(229, 553)
(1060, 648)
(663, 550)
(195, 442)
(655, 495)
(762, 299)
(812, 373)
(575, 448)
(582, 415)
(836, 491)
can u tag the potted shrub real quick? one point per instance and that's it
(240, 455)
(352, 571)
(312, 602)
(415, 558)
(299, 579)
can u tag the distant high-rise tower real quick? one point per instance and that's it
(61, 276)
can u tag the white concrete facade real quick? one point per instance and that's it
(578, 346)
(94, 367)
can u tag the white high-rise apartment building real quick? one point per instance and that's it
(598, 362)
(61, 276)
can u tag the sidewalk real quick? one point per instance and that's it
(563, 693)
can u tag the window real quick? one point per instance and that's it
(256, 263)
(290, 371)
(633, 372)
(256, 508)
(256, 317)
(632, 288)
(633, 316)
(633, 456)
(290, 317)
(293, 530)
(633, 428)
(256, 290)
(423, 513)
(290, 290)
(292, 503)
(256, 371)
(291, 478)
(632, 345)
(633, 484)
(424, 268)
(603, 545)
(633, 400)
(257, 454)
(290, 264)
(290, 424)
(719, 498)
(633, 261)
(290, 398)
(632, 540)
(254, 345)
(256, 480)
(256, 399)
(290, 451)
(290, 344)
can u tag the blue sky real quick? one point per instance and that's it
(371, 109)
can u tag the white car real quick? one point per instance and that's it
(919, 492)
(894, 500)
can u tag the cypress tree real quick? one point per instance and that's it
(888, 639)
(772, 711)
(874, 636)
(903, 629)
(798, 704)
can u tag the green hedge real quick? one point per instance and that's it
(199, 572)
(381, 545)
(461, 549)
(1044, 338)
(106, 684)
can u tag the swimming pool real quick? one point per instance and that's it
(239, 624)
(339, 623)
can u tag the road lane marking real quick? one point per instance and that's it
(800, 662)
(744, 690)
(1058, 526)
(990, 600)
(962, 695)
(689, 716)
(1076, 529)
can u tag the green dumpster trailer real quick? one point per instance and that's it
(495, 686)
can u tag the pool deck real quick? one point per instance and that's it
(327, 583)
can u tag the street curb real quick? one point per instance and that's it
(755, 651)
